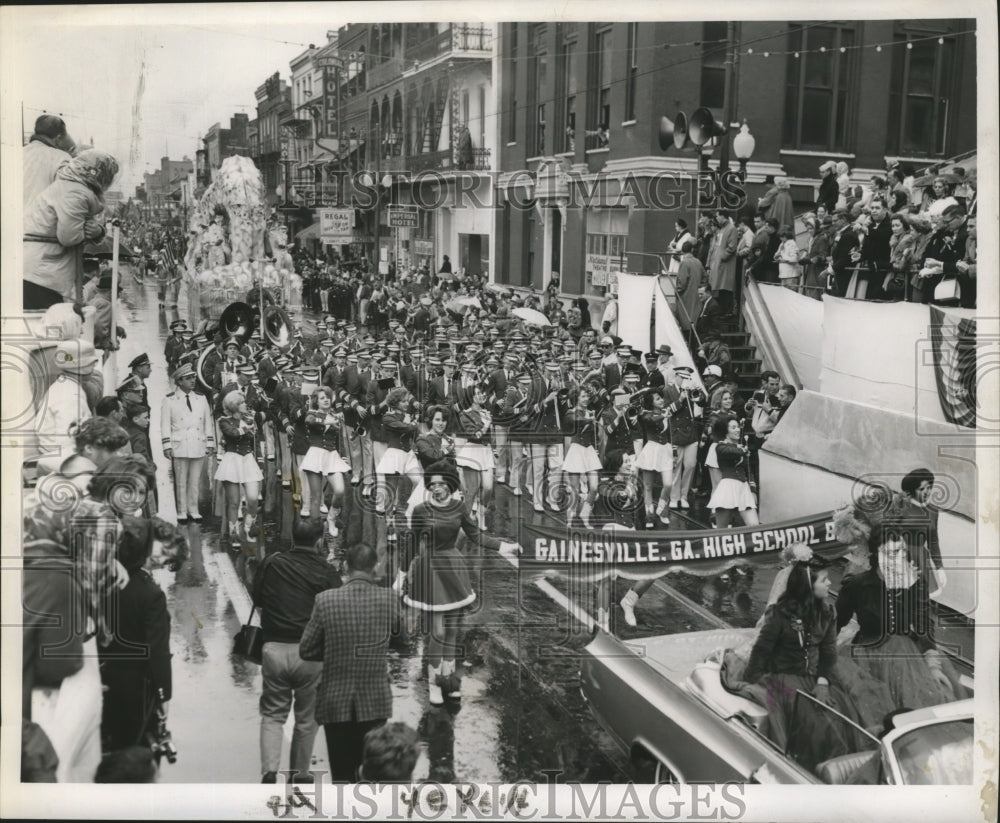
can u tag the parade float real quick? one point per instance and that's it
(234, 250)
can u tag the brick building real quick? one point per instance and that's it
(858, 91)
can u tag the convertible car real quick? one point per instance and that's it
(665, 705)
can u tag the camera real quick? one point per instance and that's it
(758, 396)
(158, 737)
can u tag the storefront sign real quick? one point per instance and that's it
(402, 218)
(603, 269)
(336, 224)
(425, 248)
(331, 102)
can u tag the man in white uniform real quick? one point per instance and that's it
(188, 436)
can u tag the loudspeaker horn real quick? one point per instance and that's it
(681, 139)
(666, 133)
(703, 127)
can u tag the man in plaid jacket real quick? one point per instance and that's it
(350, 630)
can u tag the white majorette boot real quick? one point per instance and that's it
(433, 687)
(585, 510)
(603, 620)
(628, 607)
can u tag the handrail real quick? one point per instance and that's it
(762, 328)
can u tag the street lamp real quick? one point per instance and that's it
(743, 146)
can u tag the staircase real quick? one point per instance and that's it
(747, 367)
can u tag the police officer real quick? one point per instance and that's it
(135, 383)
(188, 437)
(176, 345)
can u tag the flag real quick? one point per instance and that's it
(953, 343)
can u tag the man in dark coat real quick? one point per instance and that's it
(875, 251)
(350, 631)
(844, 252)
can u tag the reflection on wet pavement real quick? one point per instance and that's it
(521, 713)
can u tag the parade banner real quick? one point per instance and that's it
(615, 551)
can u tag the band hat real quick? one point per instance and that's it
(524, 377)
(389, 365)
(607, 341)
(685, 370)
(247, 369)
(340, 353)
(310, 373)
(594, 355)
(351, 328)
(581, 367)
(393, 349)
(712, 371)
(232, 343)
(327, 344)
(567, 358)
(417, 352)
(635, 353)
(651, 355)
(184, 370)
(178, 325)
(352, 358)
(625, 350)
(553, 367)
(433, 361)
(426, 301)
(618, 392)
(364, 354)
(492, 361)
(141, 360)
(187, 334)
(451, 361)
(469, 367)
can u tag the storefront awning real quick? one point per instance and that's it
(321, 157)
(308, 233)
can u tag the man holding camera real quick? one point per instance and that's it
(760, 409)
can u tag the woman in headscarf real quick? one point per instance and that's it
(828, 188)
(843, 184)
(782, 209)
(58, 223)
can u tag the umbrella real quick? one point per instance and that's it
(105, 249)
(531, 317)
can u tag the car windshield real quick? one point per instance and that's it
(937, 755)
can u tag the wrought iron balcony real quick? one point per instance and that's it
(434, 160)
(471, 39)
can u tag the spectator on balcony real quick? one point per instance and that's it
(828, 188)
(722, 261)
(465, 160)
(817, 253)
(781, 207)
(681, 237)
(899, 193)
(602, 134)
(875, 250)
(445, 265)
(844, 248)
(690, 275)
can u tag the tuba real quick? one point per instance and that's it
(237, 320)
(278, 329)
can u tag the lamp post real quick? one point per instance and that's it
(743, 146)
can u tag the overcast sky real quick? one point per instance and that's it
(196, 69)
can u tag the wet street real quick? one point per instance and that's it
(522, 714)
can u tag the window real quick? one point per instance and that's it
(632, 71)
(714, 45)
(537, 88)
(922, 86)
(819, 88)
(602, 47)
(566, 93)
(512, 92)
(528, 271)
(503, 275)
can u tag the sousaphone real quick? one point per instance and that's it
(278, 329)
(237, 320)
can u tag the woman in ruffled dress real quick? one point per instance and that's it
(439, 582)
(238, 470)
(895, 642)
